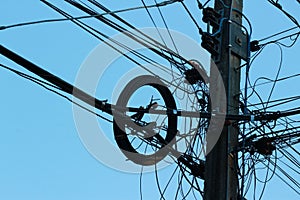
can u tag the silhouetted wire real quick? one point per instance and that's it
(179, 186)
(146, 43)
(164, 3)
(141, 177)
(254, 186)
(157, 182)
(277, 74)
(279, 33)
(159, 32)
(271, 80)
(47, 86)
(253, 88)
(28, 76)
(167, 28)
(153, 22)
(277, 5)
(149, 43)
(249, 174)
(183, 170)
(185, 194)
(192, 17)
(278, 102)
(156, 43)
(282, 38)
(102, 39)
(170, 179)
(291, 148)
(267, 101)
(288, 164)
(267, 179)
(264, 184)
(274, 83)
(290, 157)
(86, 5)
(295, 182)
(200, 5)
(285, 174)
(92, 31)
(41, 83)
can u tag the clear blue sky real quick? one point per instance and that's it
(41, 154)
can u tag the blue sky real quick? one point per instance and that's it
(42, 156)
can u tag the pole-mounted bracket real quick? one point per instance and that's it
(211, 39)
(239, 41)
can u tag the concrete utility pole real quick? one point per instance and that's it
(221, 180)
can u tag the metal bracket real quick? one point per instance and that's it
(239, 44)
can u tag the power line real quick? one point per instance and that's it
(277, 5)
(49, 87)
(284, 37)
(279, 33)
(279, 129)
(192, 17)
(161, 4)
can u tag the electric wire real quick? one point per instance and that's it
(283, 38)
(48, 86)
(265, 104)
(164, 3)
(192, 17)
(93, 32)
(277, 5)
(279, 33)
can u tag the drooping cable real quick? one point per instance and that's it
(49, 87)
(164, 3)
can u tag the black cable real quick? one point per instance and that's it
(294, 181)
(290, 157)
(164, 3)
(282, 38)
(30, 77)
(192, 18)
(270, 80)
(102, 7)
(141, 189)
(200, 5)
(279, 33)
(157, 182)
(166, 26)
(278, 101)
(274, 83)
(85, 4)
(153, 21)
(277, 74)
(277, 5)
(264, 184)
(45, 86)
(170, 179)
(92, 31)
(250, 64)
(288, 165)
(159, 33)
(146, 43)
(178, 185)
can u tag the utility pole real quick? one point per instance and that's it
(221, 179)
